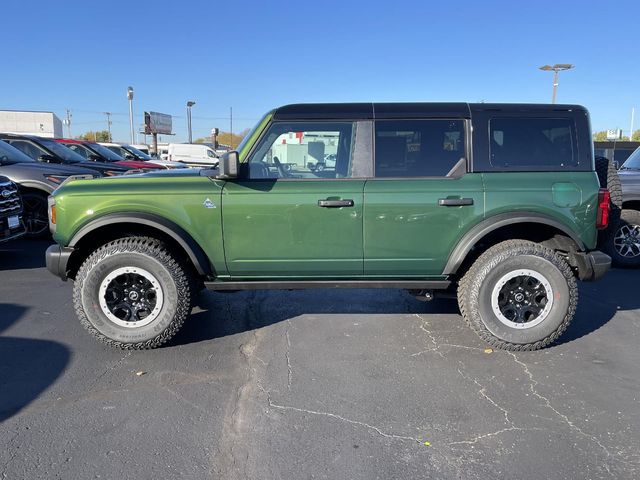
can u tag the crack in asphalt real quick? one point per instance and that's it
(234, 449)
(423, 324)
(532, 387)
(338, 417)
(483, 393)
(109, 369)
(287, 355)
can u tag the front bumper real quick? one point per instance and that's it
(56, 259)
(591, 266)
(11, 234)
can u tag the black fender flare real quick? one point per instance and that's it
(177, 233)
(494, 222)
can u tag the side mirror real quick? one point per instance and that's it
(95, 158)
(47, 158)
(229, 165)
(129, 157)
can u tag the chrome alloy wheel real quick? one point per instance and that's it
(522, 299)
(627, 241)
(131, 297)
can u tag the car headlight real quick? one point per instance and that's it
(57, 179)
(112, 173)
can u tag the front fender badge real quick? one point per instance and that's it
(208, 203)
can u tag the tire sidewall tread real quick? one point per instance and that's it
(474, 285)
(143, 252)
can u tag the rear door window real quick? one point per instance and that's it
(536, 143)
(419, 148)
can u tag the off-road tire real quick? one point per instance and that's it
(628, 220)
(609, 179)
(476, 287)
(145, 253)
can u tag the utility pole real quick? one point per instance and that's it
(633, 112)
(108, 114)
(555, 69)
(67, 122)
(231, 125)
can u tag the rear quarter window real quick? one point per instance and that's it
(532, 143)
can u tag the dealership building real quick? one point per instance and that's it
(44, 124)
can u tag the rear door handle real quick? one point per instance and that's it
(335, 203)
(455, 202)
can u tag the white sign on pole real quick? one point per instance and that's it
(614, 134)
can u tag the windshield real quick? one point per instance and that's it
(61, 151)
(10, 155)
(105, 152)
(633, 162)
(136, 152)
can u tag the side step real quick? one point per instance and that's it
(304, 284)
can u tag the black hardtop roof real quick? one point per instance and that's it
(319, 111)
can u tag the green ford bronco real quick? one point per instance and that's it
(497, 203)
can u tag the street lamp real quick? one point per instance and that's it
(556, 68)
(130, 98)
(190, 104)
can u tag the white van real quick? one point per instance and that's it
(193, 154)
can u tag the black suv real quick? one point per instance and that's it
(11, 225)
(49, 151)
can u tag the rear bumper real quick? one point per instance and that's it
(56, 259)
(592, 265)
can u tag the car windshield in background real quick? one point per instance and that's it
(10, 155)
(61, 151)
(105, 152)
(137, 153)
(633, 162)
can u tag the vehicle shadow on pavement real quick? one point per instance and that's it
(222, 314)
(598, 302)
(23, 254)
(27, 366)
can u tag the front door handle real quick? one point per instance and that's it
(455, 202)
(335, 203)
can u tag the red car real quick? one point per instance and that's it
(94, 151)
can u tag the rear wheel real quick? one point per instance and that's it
(518, 295)
(132, 293)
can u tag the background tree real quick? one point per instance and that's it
(98, 136)
(600, 136)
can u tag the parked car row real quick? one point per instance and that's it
(38, 165)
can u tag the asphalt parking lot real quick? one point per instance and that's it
(361, 384)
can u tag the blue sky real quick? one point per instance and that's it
(255, 55)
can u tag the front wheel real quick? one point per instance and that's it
(518, 295)
(35, 214)
(132, 293)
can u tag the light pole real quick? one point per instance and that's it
(190, 104)
(556, 68)
(130, 98)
